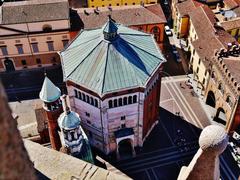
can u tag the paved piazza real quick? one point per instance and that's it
(174, 141)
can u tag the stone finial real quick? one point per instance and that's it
(205, 164)
(213, 138)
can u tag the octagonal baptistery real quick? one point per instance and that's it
(113, 77)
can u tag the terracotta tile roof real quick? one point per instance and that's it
(210, 36)
(209, 13)
(224, 37)
(207, 50)
(231, 24)
(233, 64)
(136, 15)
(185, 7)
(230, 3)
(33, 11)
(237, 11)
(201, 22)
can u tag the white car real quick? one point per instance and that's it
(168, 31)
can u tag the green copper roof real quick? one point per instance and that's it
(69, 120)
(49, 92)
(104, 66)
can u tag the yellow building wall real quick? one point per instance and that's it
(233, 32)
(103, 3)
(184, 26)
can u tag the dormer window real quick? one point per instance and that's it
(47, 28)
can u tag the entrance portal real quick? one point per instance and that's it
(9, 66)
(211, 99)
(125, 149)
(125, 143)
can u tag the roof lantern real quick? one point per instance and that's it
(110, 29)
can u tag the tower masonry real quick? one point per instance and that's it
(50, 95)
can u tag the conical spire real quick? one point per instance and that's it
(49, 92)
(110, 29)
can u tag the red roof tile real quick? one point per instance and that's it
(136, 15)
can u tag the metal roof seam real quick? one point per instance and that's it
(84, 59)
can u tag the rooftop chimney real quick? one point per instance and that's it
(96, 11)
(85, 12)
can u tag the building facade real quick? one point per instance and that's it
(223, 87)
(97, 3)
(32, 32)
(113, 83)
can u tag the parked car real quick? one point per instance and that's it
(168, 31)
(176, 54)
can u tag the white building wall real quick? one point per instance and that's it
(109, 119)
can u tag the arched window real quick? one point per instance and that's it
(76, 93)
(130, 100)
(156, 33)
(47, 28)
(115, 102)
(87, 97)
(134, 98)
(91, 101)
(229, 100)
(221, 88)
(96, 103)
(83, 97)
(110, 104)
(125, 101)
(120, 101)
(79, 95)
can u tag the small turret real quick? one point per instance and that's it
(72, 135)
(50, 95)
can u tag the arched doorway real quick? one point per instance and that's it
(9, 66)
(125, 149)
(211, 101)
(220, 116)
